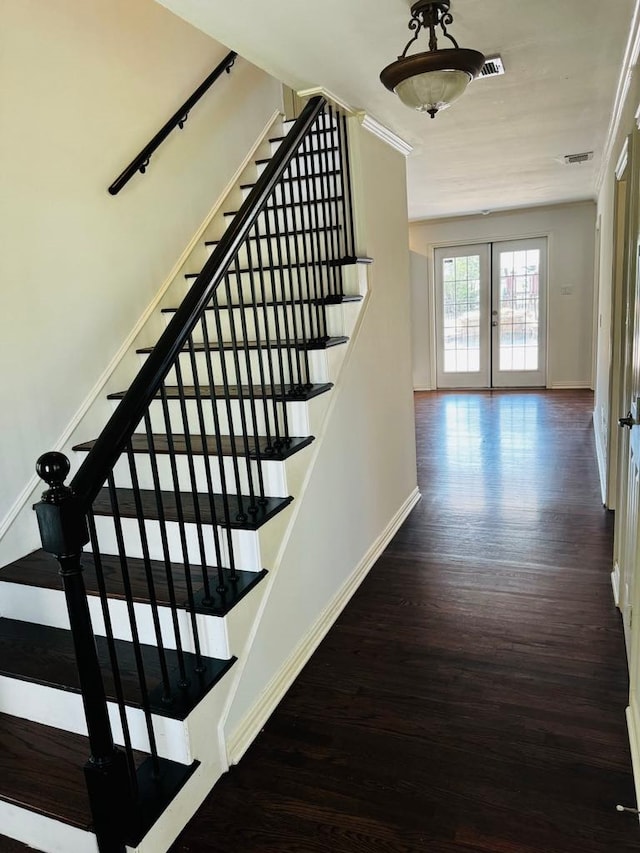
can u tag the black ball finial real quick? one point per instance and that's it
(53, 468)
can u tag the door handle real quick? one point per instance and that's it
(628, 421)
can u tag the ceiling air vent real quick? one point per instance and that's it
(493, 67)
(570, 159)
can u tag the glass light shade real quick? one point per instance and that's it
(433, 90)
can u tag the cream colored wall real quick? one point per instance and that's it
(604, 420)
(84, 87)
(366, 467)
(570, 231)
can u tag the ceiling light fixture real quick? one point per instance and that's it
(432, 80)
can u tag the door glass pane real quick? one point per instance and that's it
(519, 309)
(461, 314)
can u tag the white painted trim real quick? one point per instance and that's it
(374, 126)
(305, 94)
(623, 159)
(601, 457)
(583, 385)
(615, 583)
(44, 833)
(624, 82)
(634, 745)
(429, 388)
(637, 117)
(262, 709)
(97, 389)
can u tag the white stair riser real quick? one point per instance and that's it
(297, 414)
(308, 320)
(63, 709)
(48, 607)
(285, 218)
(329, 138)
(279, 251)
(252, 367)
(305, 282)
(246, 544)
(309, 163)
(299, 188)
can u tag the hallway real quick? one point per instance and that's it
(471, 697)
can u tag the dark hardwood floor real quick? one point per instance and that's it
(471, 697)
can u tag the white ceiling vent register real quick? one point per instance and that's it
(584, 157)
(493, 67)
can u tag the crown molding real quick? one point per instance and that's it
(624, 82)
(305, 94)
(373, 126)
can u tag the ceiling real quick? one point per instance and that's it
(502, 144)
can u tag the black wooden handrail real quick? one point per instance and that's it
(107, 448)
(140, 163)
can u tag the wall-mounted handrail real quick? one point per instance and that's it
(99, 462)
(140, 163)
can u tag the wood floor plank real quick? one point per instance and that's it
(471, 697)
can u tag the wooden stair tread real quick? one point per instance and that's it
(283, 206)
(272, 303)
(41, 769)
(348, 260)
(10, 845)
(298, 178)
(40, 570)
(223, 445)
(44, 655)
(235, 392)
(319, 344)
(191, 504)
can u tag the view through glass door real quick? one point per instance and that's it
(491, 314)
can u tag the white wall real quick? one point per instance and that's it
(570, 230)
(366, 468)
(84, 87)
(604, 420)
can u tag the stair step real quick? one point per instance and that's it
(285, 232)
(40, 569)
(283, 206)
(238, 506)
(43, 655)
(328, 300)
(244, 392)
(9, 845)
(41, 769)
(319, 344)
(296, 178)
(225, 445)
(341, 262)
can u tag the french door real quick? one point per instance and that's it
(491, 314)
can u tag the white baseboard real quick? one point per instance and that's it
(571, 386)
(244, 735)
(615, 583)
(26, 494)
(601, 457)
(632, 727)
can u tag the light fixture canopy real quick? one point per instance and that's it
(432, 80)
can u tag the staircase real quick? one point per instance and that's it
(116, 666)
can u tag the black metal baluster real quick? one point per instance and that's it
(275, 276)
(259, 337)
(252, 398)
(113, 657)
(222, 587)
(226, 509)
(316, 253)
(243, 397)
(291, 238)
(167, 694)
(337, 227)
(277, 262)
(278, 443)
(322, 172)
(347, 200)
(133, 625)
(183, 683)
(302, 279)
(310, 272)
(197, 511)
(181, 527)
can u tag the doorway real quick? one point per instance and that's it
(491, 314)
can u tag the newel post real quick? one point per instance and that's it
(64, 532)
